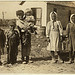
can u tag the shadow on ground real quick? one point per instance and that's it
(41, 58)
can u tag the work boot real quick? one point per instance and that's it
(56, 61)
(71, 62)
(22, 58)
(27, 59)
(0, 63)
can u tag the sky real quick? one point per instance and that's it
(9, 9)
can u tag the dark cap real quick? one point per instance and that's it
(12, 23)
(19, 12)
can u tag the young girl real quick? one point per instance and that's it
(30, 19)
(70, 29)
(53, 32)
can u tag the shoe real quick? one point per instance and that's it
(71, 62)
(62, 61)
(56, 61)
(8, 63)
(27, 59)
(22, 58)
(27, 62)
(23, 62)
(0, 63)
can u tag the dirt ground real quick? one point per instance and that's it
(40, 62)
(37, 66)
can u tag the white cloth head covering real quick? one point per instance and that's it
(71, 17)
(51, 16)
(28, 10)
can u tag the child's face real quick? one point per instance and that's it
(53, 17)
(20, 17)
(73, 19)
(28, 14)
(11, 27)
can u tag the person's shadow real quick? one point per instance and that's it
(41, 58)
(36, 59)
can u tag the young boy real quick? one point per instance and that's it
(2, 43)
(12, 41)
(25, 34)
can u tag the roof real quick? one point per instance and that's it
(63, 3)
(22, 2)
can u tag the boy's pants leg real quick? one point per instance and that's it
(27, 59)
(21, 47)
(2, 50)
(0, 54)
(8, 56)
(22, 57)
(0, 57)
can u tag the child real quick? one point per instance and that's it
(12, 42)
(25, 34)
(2, 43)
(30, 20)
(53, 30)
(21, 25)
(70, 29)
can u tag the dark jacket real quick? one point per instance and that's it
(2, 38)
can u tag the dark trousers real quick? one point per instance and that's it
(23, 37)
(27, 59)
(11, 57)
(71, 54)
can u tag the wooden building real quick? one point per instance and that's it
(42, 10)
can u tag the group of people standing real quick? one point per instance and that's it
(20, 32)
(54, 33)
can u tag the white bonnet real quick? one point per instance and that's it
(51, 14)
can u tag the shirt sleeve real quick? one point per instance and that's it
(67, 30)
(20, 24)
(60, 28)
(48, 29)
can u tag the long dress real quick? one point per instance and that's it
(53, 31)
(71, 34)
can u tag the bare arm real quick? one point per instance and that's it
(60, 28)
(67, 30)
(47, 29)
